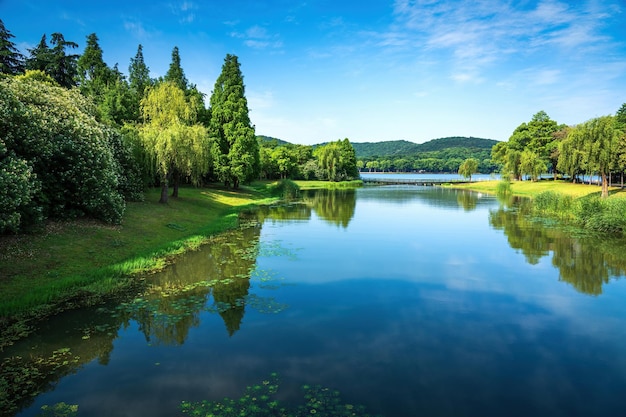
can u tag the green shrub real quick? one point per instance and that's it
(54, 131)
(611, 218)
(503, 188)
(286, 190)
(554, 203)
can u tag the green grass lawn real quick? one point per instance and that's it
(531, 189)
(84, 258)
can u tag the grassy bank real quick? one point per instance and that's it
(532, 189)
(71, 263)
(316, 185)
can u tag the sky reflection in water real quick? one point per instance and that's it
(408, 300)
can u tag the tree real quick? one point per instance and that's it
(347, 158)
(531, 164)
(337, 160)
(328, 160)
(62, 67)
(94, 76)
(468, 167)
(234, 145)
(537, 136)
(11, 60)
(175, 73)
(139, 73)
(39, 57)
(177, 144)
(595, 144)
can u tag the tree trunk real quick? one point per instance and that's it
(605, 186)
(164, 191)
(176, 184)
(165, 180)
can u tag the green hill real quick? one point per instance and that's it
(402, 148)
(395, 148)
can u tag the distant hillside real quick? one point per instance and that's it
(456, 142)
(400, 148)
(275, 141)
(394, 148)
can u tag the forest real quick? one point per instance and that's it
(80, 138)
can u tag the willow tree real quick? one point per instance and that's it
(177, 144)
(594, 144)
(468, 167)
(531, 164)
(234, 146)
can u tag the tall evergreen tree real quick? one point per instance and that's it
(63, 67)
(93, 74)
(11, 60)
(234, 146)
(175, 73)
(139, 73)
(40, 56)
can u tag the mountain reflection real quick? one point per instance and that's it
(586, 263)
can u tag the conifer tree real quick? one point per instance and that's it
(234, 145)
(93, 74)
(139, 73)
(11, 60)
(62, 66)
(175, 73)
(40, 56)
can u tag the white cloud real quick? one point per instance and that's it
(184, 11)
(136, 29)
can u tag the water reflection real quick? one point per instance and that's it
(334, 206)
(171, 305)
(585, 262)
(180, 293)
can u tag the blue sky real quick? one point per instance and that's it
(322, 70)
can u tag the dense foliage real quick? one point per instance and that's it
(595, 147)
(57, 154)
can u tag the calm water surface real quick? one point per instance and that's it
(411, 301)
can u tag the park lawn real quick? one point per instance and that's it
(83, 258)
(531, 189)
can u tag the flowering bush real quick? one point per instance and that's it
(54, 132)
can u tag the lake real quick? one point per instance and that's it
(406, 300)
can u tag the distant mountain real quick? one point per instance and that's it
(400, 148)
(456, 142)
(394, 148)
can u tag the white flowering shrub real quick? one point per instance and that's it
(54, 131)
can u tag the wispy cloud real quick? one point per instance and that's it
(258, 37)
(472, 36)
(136, 29)
(184, 10)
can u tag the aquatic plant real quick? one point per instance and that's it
(22, 379)
(259, 401)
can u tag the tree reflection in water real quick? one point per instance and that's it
(585, 262)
